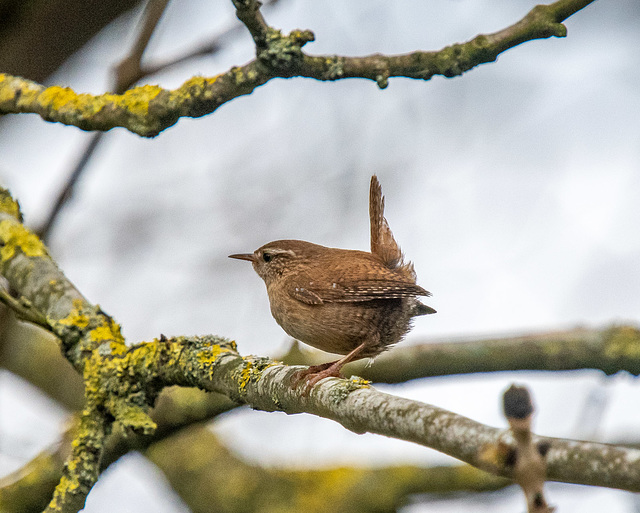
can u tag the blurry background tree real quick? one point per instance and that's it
(512, 188)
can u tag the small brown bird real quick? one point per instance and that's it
(342, 301)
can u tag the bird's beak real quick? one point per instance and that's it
(244, 256)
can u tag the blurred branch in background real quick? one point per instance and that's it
(205, 474)
(611, 350)
(208, 476)
(29, 489)
(527, 458)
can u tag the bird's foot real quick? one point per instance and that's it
(314, 374)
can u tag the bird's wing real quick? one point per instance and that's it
(306, 296)
(351, 292)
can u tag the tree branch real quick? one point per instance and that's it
(248, 12)
(147, 110)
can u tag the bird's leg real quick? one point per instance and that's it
(315, 373)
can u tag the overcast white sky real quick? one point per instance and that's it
(514, 189)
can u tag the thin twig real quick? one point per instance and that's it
(129, 70)
(248, 12)
(24, 309)
(66, 193)
(126, 73)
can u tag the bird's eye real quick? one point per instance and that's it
(266, 257)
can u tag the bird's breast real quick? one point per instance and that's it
(341, 327)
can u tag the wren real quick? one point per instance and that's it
(348, 302)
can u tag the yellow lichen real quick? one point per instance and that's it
(57, 96)
(101, 333)
(207, 359)
(144, 351)
(245, 376)
(132, 416)
(136, 101)
(238, 75)
(76, 317)
(9, 205)
(66, 484)
(7, 94)
(198, 82)
(211, 355)
(15, 236)
(359, 382)
(64, 99)
(623, 341)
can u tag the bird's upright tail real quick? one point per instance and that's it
(382, 242)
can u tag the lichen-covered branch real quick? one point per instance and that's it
(612, 349)
(147, 110)
(213, 364)
(82, 467)
(27, 266)
(86, 334)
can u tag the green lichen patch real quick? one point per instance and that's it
(281, 52)
(341, 390)
(133, 417)
(199, 87)
(334, 67)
